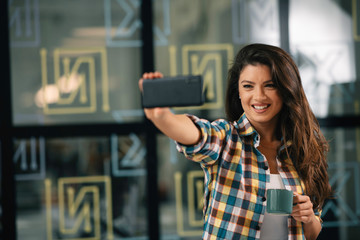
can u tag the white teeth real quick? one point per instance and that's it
(261, 107)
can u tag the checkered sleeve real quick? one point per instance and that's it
(213, 135)
(318, 215)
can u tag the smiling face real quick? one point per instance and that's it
(260, 97)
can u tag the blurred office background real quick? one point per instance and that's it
(78, 159)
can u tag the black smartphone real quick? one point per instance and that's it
(176, 91)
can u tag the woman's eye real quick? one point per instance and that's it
(271, 85)
(247, 86)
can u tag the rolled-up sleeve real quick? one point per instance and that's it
(318, 215)
(208, 149)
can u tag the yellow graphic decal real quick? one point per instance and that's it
(355, 19)
(76, 77)
(195, 189)
(79, 207)
(209, 60)
(195, 186)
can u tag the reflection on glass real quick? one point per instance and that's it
(321, 39)
(341, 215)
(181, 188)
(75, 62)
(76, 193)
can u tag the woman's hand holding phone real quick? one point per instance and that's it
(178, 127)
(157, 112)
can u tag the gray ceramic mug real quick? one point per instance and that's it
(279, 201)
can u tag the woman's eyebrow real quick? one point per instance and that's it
(269, 81)
(246, 81)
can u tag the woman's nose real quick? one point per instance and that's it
(259, 94)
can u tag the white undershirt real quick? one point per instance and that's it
(274, 227)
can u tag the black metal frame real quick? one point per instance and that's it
(9, 131)
(6, 133)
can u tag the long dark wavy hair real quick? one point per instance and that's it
(297, 122)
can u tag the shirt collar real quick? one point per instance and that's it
(245, 129)
(244, 126)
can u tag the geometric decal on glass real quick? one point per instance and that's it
(80, 81)
(255, 21)
(123, 24)
(189, 203)
(343, 211)
(24, 27)
(84, 208)
(356, 19)
(127, 156)
(29, 159)
(209, 60)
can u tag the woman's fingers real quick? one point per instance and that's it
(152, 113)
(303, 208)
(301, 203)
(149, 75)
(300, 198)
(152, 75)
(141, 84)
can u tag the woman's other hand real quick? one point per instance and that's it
(303, 212)
(302, 209)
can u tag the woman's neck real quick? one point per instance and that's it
(267, 134)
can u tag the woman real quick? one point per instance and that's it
(271, 137)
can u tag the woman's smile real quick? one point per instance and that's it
(261, 106)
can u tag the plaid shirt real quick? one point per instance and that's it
(236, 174)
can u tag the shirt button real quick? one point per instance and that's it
(266, 168)
(257, 227)
(263, 199)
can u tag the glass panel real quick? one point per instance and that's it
(202, 37)
(323, 40)
(79, 188)
(75, 61)
(181, 187)
(342, 215)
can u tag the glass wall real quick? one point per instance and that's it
(81, 188)
(324, 42)
(203, 38)
(341, 215)
(79, 61)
